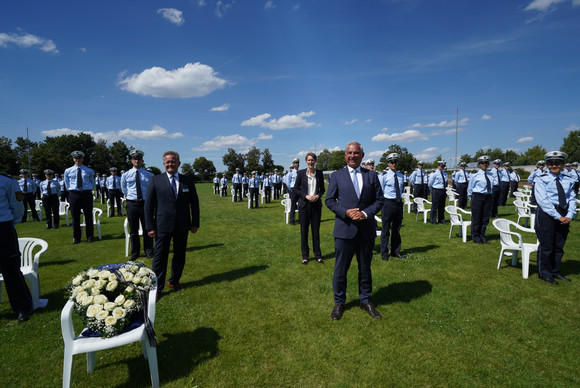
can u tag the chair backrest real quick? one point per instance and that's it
(454, 216)
(521, 208)
(420, 204)
(63, 207)
(503, 227)
(408, 198)
(27, 247)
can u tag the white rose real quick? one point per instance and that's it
(81, 295)
(110, 321)
(93, 272)
(109, 306)
(143, 272)
(100, 283)
(136, 279)
(129, 304)
(119, 312)
(122, 269)
(104, 274)
(100, 299)
(76, 291)
(102, 315)
(146, 281)
(120, 300)
(112, 278)
(93, 310)
(95, 291)
(133, 268)
(129, 289)
(76, 281)
(128, 276)
(89, 283)
(112, 286)
(87, 301)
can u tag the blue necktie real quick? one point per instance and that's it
(79, 179)
(174, 185)
(355, 183)
(138, 185)
(561, 195)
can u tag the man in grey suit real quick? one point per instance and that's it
(171, 212)
(354, 195)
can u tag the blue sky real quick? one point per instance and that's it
(292, 76)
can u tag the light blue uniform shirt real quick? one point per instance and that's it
(514, 176)
(276, 178)
(436, 181)
(70, 178)
(245, 180)
(461, 176)
(109, 182)
(129, 183)
(546, 194)
(224, 181)
(54, 187)
(267, 182)
(31, 186)
(254, 183)
(415, 178)
(292, 174)
(237, 178)
(478, 183)
(216, 180)
(496, 176)
(388, 184)
(11, 209)
(533, 175)
(504, 175)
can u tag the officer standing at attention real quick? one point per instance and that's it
(575, 173)
(392, 211)
(437, 184)
(514, 181)
(461, 180)
(237, 182)
(114, 192)
(254, 190)
(291, 181)
(480, 192)
(496, 187)
(50, 191)
(417, 181)
(28, 189)
(103, 186)
(532, 178)
(216, 184)
(37, 183)
(134, 186)
(245, 182)
(224, 185)
(505, 183)
(267, 184)
(11, 210)
(556, 208)
(277, 183)
(80, 182)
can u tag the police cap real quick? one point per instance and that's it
(556, 156)
(484, 159)
(394, 157)
(136, 154)
(113, 169)
(77, 154)
(48, 171)
(24, 171)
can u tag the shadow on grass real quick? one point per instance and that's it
(229, 276)
(422, 249)
(178, 355)
(56, 301)
(198, 248)
(571, 267)
(403, 292)
(59, 262)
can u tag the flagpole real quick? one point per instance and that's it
(456, 132)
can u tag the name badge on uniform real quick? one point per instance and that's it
(185, 189)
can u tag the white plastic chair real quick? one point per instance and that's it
(29, 262)
(122, 208)
(408, 200)
(456, 219)
(63, 211)
(128, 235)
(96, 220)
(421, 208)
(508, 243)
(233, 192)
(286, 203)
(523, 211)
(90, 345)
(38, 206)
(452, 197)
(379, 228)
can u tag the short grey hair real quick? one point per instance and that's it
(355, 143)
(171, 153)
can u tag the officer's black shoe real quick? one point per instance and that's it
(564, 278)
(90, 239)
(399, 256)
(549, 279)
(23, 316)
(386, 258)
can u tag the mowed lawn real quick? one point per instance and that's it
(253, 315)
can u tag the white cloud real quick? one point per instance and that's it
(284, 122)
(222, 7)
(235, 141)
(296, 7)
(155, 133)
(28, 40)
(192, 80)
(444, 123)
(368, 120)
(175, 16)
(269, 5)
(485, 117)
(525, 139)
(350, 122)
(221, 108)
(263, 136)
(407, 136)
(542, 5)
(427, 154)
(201, 3)
(451, 131)
(375, 154)
(572, 127)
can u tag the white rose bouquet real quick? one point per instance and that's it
(107, 298)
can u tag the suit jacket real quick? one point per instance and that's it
(341, 196)
(301, 188)
(164, 212)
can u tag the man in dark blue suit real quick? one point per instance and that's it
(354, 195)
(171, 212)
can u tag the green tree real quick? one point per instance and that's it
(233, 160)
(205, 168)
(465, 158)
(119, 156)
(187, 169)
(532, 155)
(253, 160)
(24, 149)
(267, 161)
(8, 157)
(571, 146)
(510, 157)
(101, 157)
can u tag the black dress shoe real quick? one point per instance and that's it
(90, 239)
(75, 242)
(386, 258)
(369, 308)
(562, 277)
(549, 279)
(399, 256)
(337, 311)
(48, 227)
(23, 316)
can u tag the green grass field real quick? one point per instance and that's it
(253, 315)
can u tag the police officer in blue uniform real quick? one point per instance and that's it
(417, 181)
(504, 184)
(277, 184)
(575, 173)
(134, 186)
(224, 186)
(461, 180)
(392, 212)
(437, 184)
(480, 193)
(28, 189)
(556, 208)
(11, 210)
(245, 183)
(237, 182)
(514, 182)
(50, 191)
(496, 187)
(79, 180)
(114, 192)
(37, 183)
(291, 181)
(532, 178)
(254, 184)
(216, 184)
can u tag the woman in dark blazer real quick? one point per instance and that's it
(308, 189)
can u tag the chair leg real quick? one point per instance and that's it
(91, 361)
(34, 290)
(450, 229)
(67, 368)
(464, 230)
(525, 263)
(500, 258)
(150, 354)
